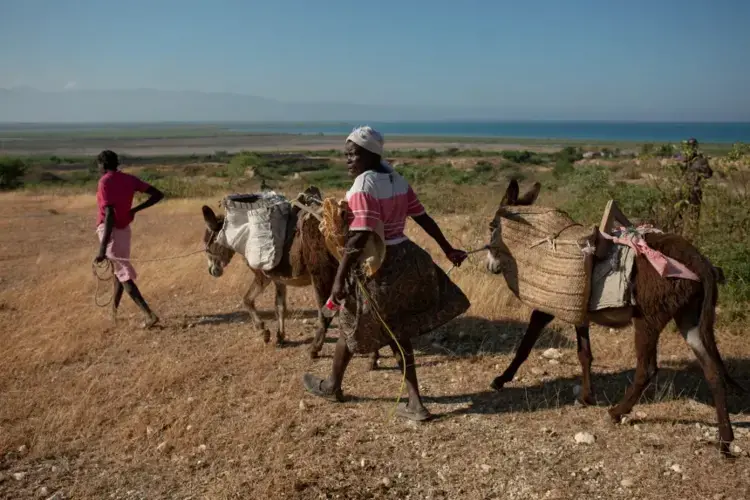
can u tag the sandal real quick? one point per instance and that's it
(421, 415)
(314, 385)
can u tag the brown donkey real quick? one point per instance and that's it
(305, 262)
(658, 300)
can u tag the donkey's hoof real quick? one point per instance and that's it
(266, 336)
(314, 354)
(499, 383)
(280, 342)
(374, 365)
(726, 450)
(614, 416)
(585, 401)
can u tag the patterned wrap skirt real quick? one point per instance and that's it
(411, 293)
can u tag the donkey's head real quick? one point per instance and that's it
(495, 263)
(218, 256)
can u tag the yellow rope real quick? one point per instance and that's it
(107, 276)
(107, 272)
(393, 336)
(157, 259)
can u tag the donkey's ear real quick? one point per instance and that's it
(511, 194)
(210, 217)
(531, 195)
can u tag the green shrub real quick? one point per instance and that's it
(240, 163)
(569, 154)
(563, 168)
(523, 156)
(12, 171)
(739, 151)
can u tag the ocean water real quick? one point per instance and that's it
(594, 131)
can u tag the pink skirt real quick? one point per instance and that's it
(118, 251)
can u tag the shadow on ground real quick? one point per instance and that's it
(470, 336)
(244, 317)
(676, 382)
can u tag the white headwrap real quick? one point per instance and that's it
(370, 139)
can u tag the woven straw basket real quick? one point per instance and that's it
(547, 259)
(334, 228)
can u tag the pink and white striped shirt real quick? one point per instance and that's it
(381, 202)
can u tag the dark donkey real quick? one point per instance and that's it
(306, 261)
(658, 301)
(303, 263)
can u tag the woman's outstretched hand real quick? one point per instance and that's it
(457, 257)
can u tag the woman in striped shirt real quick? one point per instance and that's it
(411, 293)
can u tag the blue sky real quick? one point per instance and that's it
(567, 59)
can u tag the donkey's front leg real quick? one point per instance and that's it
(280, 313)
(256, 288)
(537, 323)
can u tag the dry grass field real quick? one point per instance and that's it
(201, 408)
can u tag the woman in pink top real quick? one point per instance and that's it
(413, 295)
(114, 198)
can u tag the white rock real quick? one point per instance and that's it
(736, 449)
(202, 448)
(22, 449)
(161, 446)
(612, 330)
(302, 405)
(18, 476)
(189, 428)
(677, 468)
(627, 483)
(43, 491)
(386, 482)
(190, 399)
(641, 414)
(441, 476)
(149, 430)
(585, 438)
(538, 371)
(485, 468)
(362, 463)
(554, 362)
(552, 353)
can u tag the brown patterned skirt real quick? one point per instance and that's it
(412, 294)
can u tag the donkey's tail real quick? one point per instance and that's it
(708, 319)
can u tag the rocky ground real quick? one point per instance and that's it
(201, 408)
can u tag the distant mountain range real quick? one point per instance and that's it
(24, 104)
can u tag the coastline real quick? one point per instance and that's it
(179, 141)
